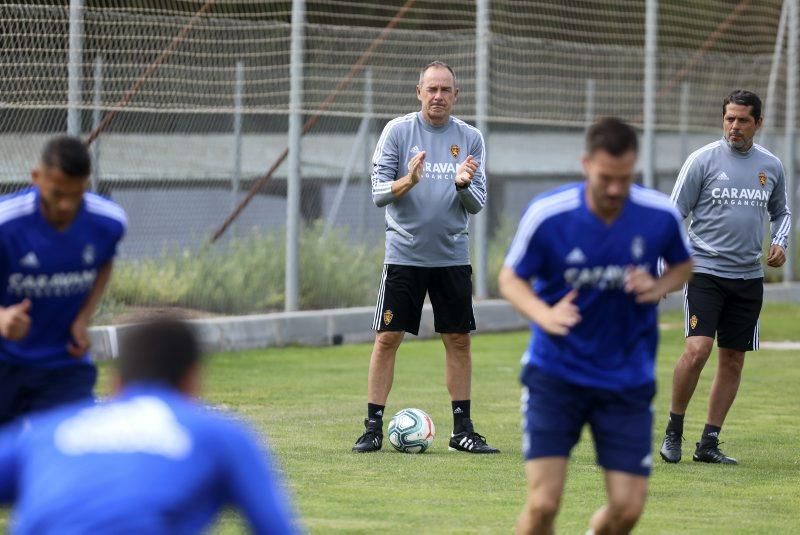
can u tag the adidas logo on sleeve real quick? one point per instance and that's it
(29, 260)
(576, 256)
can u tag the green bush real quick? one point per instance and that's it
(247, 276)
(498, 246)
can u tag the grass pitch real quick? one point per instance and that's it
(311, 401)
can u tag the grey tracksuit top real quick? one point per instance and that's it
(429, 225)
(728, 195)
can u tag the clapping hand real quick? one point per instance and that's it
(466, 171)
(415, 167)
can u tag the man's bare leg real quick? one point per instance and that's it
(627, 494)
(546, 477)
(687, 371)
(381, 366)
(725, 385)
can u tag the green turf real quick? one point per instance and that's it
(311, 402)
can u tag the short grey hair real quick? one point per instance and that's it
(438, 65)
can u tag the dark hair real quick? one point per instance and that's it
(68, 154)
(743, 97)
(439, 65)
(159, 350)
(612, 135)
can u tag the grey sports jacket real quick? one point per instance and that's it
(728, 195)
(429, 225)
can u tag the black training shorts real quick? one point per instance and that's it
(402, 294)
(727, 308)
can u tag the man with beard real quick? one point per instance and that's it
(729, 188)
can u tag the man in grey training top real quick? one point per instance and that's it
(428, 171)
(728, 187)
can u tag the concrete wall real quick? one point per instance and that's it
(140, 158)
(349, 325)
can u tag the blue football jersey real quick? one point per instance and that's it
(562, 245)
(54, 269)
(150, 461)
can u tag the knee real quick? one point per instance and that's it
(459, 343)
(386, 342)
(732, 361)
(542, 507)
(696, 355)
(625, 515)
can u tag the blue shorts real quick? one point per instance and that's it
(26, 389)
(555, 411)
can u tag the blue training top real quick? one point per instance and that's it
(151, 461)
(56, 270)
(563, 246)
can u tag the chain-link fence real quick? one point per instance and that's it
(209, 116)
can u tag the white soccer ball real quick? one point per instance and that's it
(411, 431)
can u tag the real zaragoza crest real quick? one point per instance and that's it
(455, 150)
(387, 317)
(693, 321)
(762, 178)
(88, 254)
(637, 248)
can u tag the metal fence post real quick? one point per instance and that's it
(369, 146)
(588, 106)
(769, 112)
(650, 74)
(791, 130)
(97, 116)
(684, 122)
(293, 186)
(481, 219)
(237, 137)
(74, 66)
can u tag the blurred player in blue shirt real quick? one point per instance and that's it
(57, 244)
(152, 460)
(593, 250)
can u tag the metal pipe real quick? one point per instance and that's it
(790, 160)
(777, 52)
(293, 186)
(366, 200)
(588, 106)
(97, 116)
(481, 219)
(74, 67)
(650, 74)
(237, 133)
(683, 126)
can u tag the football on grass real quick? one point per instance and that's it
(411, 431)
